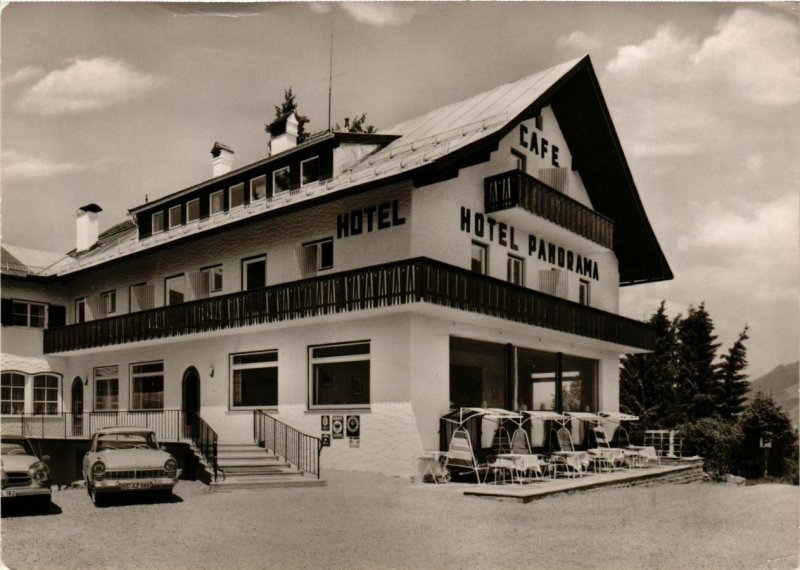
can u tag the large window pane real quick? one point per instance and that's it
(255, 387)
(175, 290)
(45, 394)
(12, 393)
(340, 375)
(477, 374)
(579, 384)
(106, 385)
(147, 386)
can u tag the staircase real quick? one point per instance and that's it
(249, 466)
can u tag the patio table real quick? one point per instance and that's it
(434, 467)
(578, 460)
(523, 461)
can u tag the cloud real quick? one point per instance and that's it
(579, 41)
(320, 7)
(23, 75)
(86, 85)
(755, 247)
(18, 166)
(675, 88)
(380, 14)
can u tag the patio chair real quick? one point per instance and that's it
(604, 456)
(640, 455)
(573, 463)
(526, 462)
(460, 456)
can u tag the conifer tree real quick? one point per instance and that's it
(289, 105)
(733, 384)
(357, 126)
(699, 389)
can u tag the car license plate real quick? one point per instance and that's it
(9, 493)
(135, 486)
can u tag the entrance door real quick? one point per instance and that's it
(77, 406)
(191, 398)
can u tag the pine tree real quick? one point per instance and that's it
(699, 389)
(357, 126)
(765, 418)
(649, 382)
(289, 105)
(733, 384)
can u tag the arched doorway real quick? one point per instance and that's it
(77, 406)
(191, 398)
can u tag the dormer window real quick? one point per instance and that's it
(193, 210)
(236, 197)
(158, 222)
(216, 202)
(174, 216)
(280, 180)
(258, 188)
(309, 170)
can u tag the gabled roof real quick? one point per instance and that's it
(15, 260)
(439, 142)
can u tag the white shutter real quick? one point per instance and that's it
(199, 286)
(558, 178)
(308, 260)
(553, 282)
(95, 308)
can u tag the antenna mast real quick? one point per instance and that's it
(330, 76)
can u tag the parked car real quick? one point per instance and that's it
(24, 475)
(128, 459)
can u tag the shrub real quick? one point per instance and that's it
(765, 417)
(715, 441)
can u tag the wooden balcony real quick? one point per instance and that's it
(514, 189)
(399, 283)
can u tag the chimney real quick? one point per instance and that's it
(221, 159)
(283, 133)
(87, 225)
(346, 123)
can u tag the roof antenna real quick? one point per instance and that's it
(330, 76)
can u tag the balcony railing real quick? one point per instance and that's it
(399, 283)
(516, 189)
(167, 424)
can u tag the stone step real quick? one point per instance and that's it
(261, 469)
(238, 446)
(256, 454)
(260, 462)
(256, 482)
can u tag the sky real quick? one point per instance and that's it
(112, 102)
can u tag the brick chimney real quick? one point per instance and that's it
(87, 227)
(221, 159)
(283, 133)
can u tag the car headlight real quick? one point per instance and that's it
(4, 479)
(171, 467)
(40, 472)
(98, 470)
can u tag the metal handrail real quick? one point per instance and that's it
(205, 439)
(295, 447)
(167, 424)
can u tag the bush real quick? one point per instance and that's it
(765, 417)
(716, 441)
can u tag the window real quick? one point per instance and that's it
(339, 375)
(258, 188)
(45, 394)
(539, 121)
(479, 258)
(516, 270)
(583, 292)
(12, 393)
(317, 256)
(520, 162)
(80, 310)
(216, 202)
(141, 297)
(280, 180)
(106, 388)
(254, 272)
(147, 382)
(158, 222)
(193, 210)
(477, 373)
(309, 171)
(175, 289)
(109, 302)
(174, 216)
(254, 379)
(236, 197)
(28, 314)
(212, 278)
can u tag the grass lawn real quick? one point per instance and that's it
(369, 521)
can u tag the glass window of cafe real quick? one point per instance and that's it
(477, 374)
(541, 387)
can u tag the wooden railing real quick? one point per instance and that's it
(516, 189)
(403, 282)
(297, 448)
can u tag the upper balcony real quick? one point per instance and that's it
(515, 189)
(398, 283)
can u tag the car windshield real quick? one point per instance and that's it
(126, 441)
(13, 449)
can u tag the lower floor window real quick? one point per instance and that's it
(45, 394)
(148, 386)
(12, 400)
(106, 388)
(254, 379)
(340, 375)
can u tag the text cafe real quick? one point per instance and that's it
(505, 235)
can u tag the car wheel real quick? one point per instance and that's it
(164, 496)
(97, 498)
(43, 504)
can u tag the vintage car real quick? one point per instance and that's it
(128, 459)
(24, 476)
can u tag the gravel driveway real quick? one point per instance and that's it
(369, 521)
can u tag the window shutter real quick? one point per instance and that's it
(556, 178)
(5, 312)
(57, 316)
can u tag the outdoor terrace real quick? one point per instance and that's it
(419, 280)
